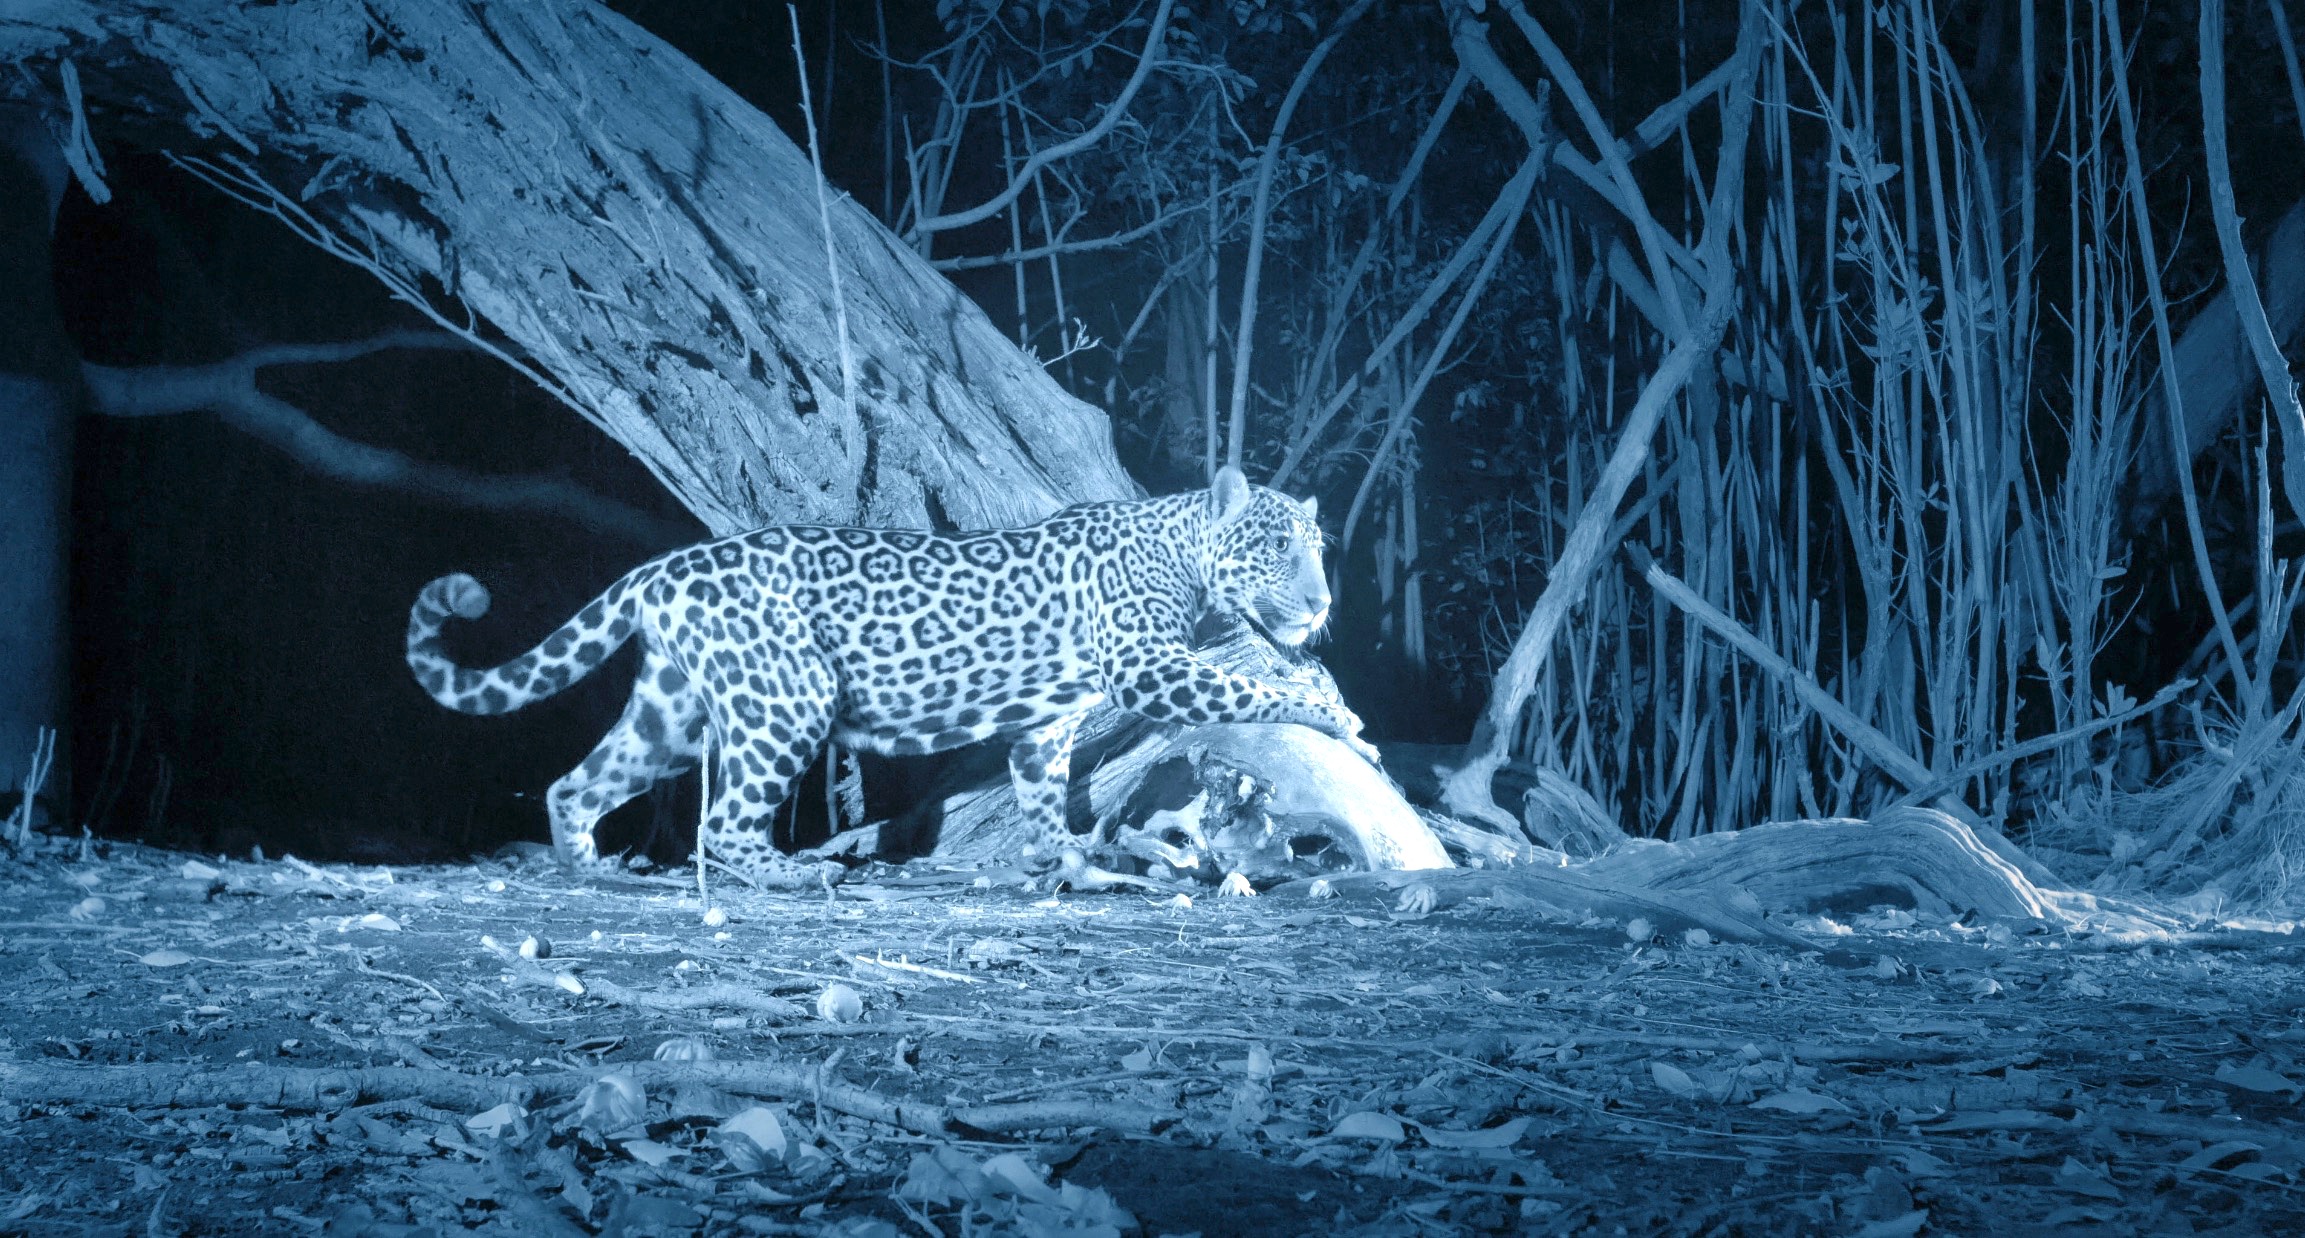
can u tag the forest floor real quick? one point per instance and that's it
(203, 1047)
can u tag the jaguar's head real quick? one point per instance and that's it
(1263, 559)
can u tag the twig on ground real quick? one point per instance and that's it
(362, 964)
(696, 997)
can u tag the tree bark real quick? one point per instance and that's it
(646, 242)
(2212, 368)
(39, 384)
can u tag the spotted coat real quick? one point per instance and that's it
(906, 642)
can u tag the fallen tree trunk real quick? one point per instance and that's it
(1726, 883)
(1916, 854)
(647, 243)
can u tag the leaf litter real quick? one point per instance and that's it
(283, 1047)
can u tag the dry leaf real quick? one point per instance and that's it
(1800, 1100)
(2218, 1155)
(650, 1152)
(1503, 1136)
(1368, 1124)
(165, 958)
(501, 1122)
(2082, 1180)
(2259, 1079)
(1675, 1080)
(1020, 1176)
(1896, 1227)
(611, 1103)
(684, 1049)
(752, 1140)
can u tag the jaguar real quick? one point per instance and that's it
(769, 643)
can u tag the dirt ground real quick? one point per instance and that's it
(193, 1046)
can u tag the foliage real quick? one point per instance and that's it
(1931, 466)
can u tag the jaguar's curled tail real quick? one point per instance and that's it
(569, 654)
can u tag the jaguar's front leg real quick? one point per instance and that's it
(1171, 683)
(1040, 770)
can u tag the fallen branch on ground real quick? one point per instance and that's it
(161, 1085)
(807, 1083)
(1942, 864)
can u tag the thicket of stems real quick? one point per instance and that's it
(1890, 509)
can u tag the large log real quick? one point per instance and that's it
(1918, 855)
(646, 242)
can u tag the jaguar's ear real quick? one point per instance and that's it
(1312, 507)
(1228, 496)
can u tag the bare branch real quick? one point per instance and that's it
(228, 389)
(1509, 203)
(1065, 149)
(1468, 791)
(1252, 274)
(1018, 257)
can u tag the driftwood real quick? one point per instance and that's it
(1917, 854)
(1725, 883)
(1313, 806)
(157, 1085)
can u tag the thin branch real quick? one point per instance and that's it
(1260, 212)
(1065, 149)
(1612, 153)
(1468, 791)
(824, 224)
(1402, 414)
(1018, 257)
(1883, 751)
(2149, 251)
(2033, 747)
(228, 389)
(1510, 201)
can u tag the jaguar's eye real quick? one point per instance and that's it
(1280, 542)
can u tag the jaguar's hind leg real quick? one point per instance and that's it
(658, 736)
(772, 707)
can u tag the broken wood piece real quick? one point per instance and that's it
(1317, 806)
(1799, 1051)
(808, 1082)
(1920, 853)
(697, 997)
(171, 1085)
(1879, 748)
(2208, 1130)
